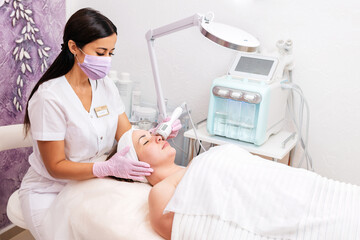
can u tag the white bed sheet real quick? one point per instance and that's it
(227, 187)
(101, 209)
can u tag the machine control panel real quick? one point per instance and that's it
(254, 66)
(237, 95)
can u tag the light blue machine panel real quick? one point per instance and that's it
(246, 110)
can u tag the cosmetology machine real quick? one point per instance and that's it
(249, 103)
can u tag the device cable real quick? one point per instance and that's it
(303, 139)
(292, 113)
(192, 124)
(198, 152)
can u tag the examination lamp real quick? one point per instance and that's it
(221, 34)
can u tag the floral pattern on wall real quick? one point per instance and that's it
(30, 38)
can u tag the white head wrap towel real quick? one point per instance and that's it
(126, 140)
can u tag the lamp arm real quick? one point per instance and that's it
(150, 36)
(191, 21)
(159, 92)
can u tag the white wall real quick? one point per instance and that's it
(326, 36)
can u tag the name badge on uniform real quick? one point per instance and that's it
(101, 111)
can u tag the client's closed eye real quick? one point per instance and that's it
(144, 138)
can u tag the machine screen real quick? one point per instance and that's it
(254, 65)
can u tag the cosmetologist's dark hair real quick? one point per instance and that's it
(83, 27)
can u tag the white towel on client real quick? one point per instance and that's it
(265, 198)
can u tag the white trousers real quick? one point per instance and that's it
(36, 196)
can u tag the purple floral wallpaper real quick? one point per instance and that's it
(30, 38)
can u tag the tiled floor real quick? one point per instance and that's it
(16, 233)
(25, 235)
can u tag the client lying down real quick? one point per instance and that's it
(227, 193)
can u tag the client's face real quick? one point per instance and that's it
(152, 149)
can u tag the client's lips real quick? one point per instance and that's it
(165, 145)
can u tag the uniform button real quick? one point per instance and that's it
(101, 138)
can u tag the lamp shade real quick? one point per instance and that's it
(230, 37)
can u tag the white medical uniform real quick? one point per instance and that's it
(56, 113)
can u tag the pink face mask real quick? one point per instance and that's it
(95, 67)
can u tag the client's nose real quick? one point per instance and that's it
(158, 139)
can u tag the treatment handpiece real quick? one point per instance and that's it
(165, 128)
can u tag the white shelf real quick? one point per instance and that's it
(272, 148)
